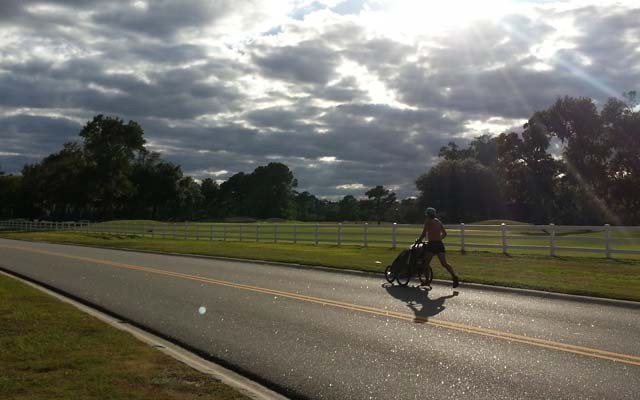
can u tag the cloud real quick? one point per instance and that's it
(222, 87)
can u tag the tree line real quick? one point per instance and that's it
(571, 164)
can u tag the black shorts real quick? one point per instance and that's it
(435, 247)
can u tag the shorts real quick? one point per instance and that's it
(435, 247)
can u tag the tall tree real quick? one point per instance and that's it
(111, 146)
(210, 198)
(156, 183)
(382, 201)
(463, 190)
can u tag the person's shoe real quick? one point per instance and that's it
(456, 282)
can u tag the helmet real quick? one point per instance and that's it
(430, 212)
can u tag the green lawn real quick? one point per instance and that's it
(477, 237)
(614, 278)
(51, 350)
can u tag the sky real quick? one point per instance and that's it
(349, 94)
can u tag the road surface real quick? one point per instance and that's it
(328, 335)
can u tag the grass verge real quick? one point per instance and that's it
(51, 350)
(619, 279)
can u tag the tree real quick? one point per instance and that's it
(348, 208)
(210, 198)
(452, 152)
(155, 182)
(271, 191)
(463, 190)
(111, 146)
(381, 201)
(10, 188)
(622, 124)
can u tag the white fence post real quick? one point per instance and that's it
(366, 234)
(275, 233)
(241, 232)
(339, 233)
(317, 228)
(607, 238)
(462, 250)
(552, 239)
(503, 228)
(295, 233)
(395, 237)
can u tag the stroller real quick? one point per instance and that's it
(409, 263)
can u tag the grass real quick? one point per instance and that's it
(51, 350)
(613, 278)
(382, 235)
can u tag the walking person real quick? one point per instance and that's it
(434, 232)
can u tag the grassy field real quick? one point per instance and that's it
(51, 350)
(613, 278)
(568, 242)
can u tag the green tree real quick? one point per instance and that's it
(382, 200)
(271, 191)
(462, 190)
(111, 146)
(210, 198)
(156, 184)
(348, 209)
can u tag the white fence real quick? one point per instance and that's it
(548, 239)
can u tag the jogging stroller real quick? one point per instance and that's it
(410, 262)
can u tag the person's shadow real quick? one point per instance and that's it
(417, 299)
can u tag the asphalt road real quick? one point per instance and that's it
(318, 334)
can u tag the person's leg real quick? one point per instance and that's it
(443, 261)
(427, 258)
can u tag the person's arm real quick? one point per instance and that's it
(444, 231)
(424, 231)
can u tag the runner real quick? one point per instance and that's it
(434, 232)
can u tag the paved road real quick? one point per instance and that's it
(319, 334)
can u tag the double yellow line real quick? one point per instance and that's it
(586, 351)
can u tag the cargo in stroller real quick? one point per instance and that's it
(408, 263)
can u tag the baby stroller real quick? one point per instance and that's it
(410, 262)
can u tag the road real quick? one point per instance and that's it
(319, 334)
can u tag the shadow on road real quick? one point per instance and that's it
(417, 299)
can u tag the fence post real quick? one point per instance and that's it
(241, 232)
(462, 250)
(366, 234)
(503, 228)
(395, 237)
(295, 233)
(211, 231)
(607, 238)
(173, 228)
(552, 239)
(224, 232)
(339, 233)
(257, 231)
(275, 233)
(317, 227)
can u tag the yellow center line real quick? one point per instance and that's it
(587, 351)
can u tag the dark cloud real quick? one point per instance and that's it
(28, 138)
(198, 106)
(162, 18)
(310, 62)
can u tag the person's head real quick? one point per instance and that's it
(430, 212)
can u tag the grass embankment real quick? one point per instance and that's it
(51, 350)
(618, 279)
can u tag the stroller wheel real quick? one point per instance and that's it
(389, 275)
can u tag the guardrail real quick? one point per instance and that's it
(550, 239)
